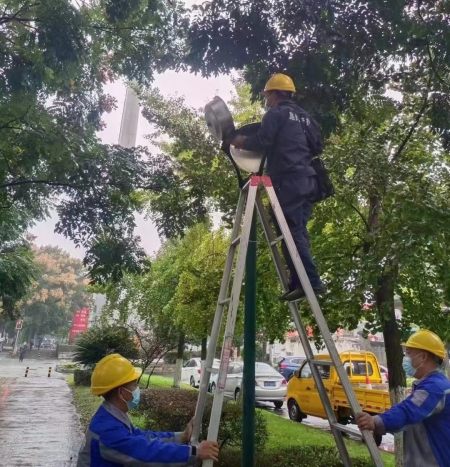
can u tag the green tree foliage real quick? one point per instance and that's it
(58, 291)
(55, 57)
(384, 232)
(331, 49)
(100, 341)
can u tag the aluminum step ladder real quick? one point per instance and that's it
(249, 199)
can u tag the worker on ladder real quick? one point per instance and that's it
(424, 416)
(290, 139)
(111, 439)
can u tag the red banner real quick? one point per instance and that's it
(80, 323)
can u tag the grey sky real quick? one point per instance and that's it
(197, 92)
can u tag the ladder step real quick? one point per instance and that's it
(276, 240)
(236, 241)
(225, 301)
(347, 429)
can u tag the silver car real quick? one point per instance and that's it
(270, 386)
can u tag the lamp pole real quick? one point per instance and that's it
(248, 419)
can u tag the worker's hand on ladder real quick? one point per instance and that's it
(365, 421)
(208, 450)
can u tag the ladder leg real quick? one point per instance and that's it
(320, 320)
(221, 303)
(216, 410)
(264, 218)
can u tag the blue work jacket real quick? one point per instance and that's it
(424, 418)
(111, 441)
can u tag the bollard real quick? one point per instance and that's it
(49, 371)
(26, 371)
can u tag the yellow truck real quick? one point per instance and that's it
(364, 373)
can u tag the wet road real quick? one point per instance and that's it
(387, 444)
(38, 422)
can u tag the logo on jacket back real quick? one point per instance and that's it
(294, 117)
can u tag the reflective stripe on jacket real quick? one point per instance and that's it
(111, 441)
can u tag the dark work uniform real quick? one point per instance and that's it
(291, 138)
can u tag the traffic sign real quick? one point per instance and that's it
(19, 324)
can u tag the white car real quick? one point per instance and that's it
(270, 386)
(191, 372)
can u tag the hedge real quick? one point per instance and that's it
(171, 410)
(82, 377)
(311, 456)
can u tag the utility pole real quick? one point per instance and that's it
(248, 419)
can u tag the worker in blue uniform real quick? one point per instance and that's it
(424, 416)
(290, 139)
(111, 439)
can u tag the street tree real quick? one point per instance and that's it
(56, 56)
(60, 288)
(384, 232)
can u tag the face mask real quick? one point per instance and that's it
(134, 402)
(408, 366)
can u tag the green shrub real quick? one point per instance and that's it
(100, 341)
(82, 377)
(312, 456)
(171, 410)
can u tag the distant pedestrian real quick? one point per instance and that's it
(424, 416)
(22, 352)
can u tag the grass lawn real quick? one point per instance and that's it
(284, 435)
(288, 434)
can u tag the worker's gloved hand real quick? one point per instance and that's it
(365, 421)
(187, 433)
(208, 450)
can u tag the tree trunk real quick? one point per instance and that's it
(179, 361)
(394, 354)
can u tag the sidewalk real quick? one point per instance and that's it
(39, 425)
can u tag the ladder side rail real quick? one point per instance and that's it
(216, 410)
(282, 275)
(320, 320)
(218, 316)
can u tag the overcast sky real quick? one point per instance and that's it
(197, 92)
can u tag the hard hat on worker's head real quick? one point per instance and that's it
(280, 82)
(111, 372)
(426, 340)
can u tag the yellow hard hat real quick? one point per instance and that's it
(280, 82)
(111, 372)
(426, 340)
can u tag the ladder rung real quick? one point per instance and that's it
(236, 241)
(347, 429)
(276, 240)
(225, 301)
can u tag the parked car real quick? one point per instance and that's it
(287, 366)
(303, 397)
(191, 372)
(270, 386)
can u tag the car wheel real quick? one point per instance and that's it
(278, 404)
(212, 388)
(192, 382)
(237, 394)
(294, 411)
